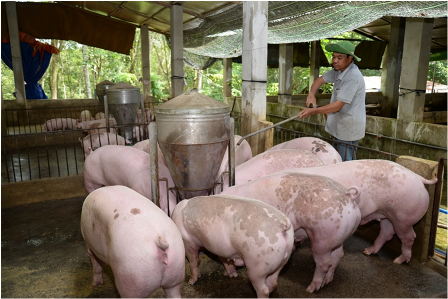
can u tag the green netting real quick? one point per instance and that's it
(220, 35)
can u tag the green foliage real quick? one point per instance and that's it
(106, 65)
(157, 87)
(127, 78)
(440, 74)
(7, 82)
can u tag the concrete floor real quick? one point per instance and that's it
(43, 255)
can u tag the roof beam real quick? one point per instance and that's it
(368, 35)
(187, 11)
(116, 9)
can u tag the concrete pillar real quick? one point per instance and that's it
(417, 44)
(314, 63)
(285, 72)
(14, 39)
(177, 51)
(391, 70)
(254, 74)
(227, 77)
(146, 64)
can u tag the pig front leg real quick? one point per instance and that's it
(386, 234)
(97, 269)
(230, 267)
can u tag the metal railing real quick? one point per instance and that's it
(32, 120)
(282, 135)
(53, 154)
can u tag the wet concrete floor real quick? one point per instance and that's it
(43, 255)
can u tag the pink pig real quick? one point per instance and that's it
(243, 153)
(390, 192)
(239, 231)
(318, 207)
(56, 124)
(99, 123)
(125, 165)
(141, 244)
(96, 140)
(144, 146)
(320, 148)
(273, 161)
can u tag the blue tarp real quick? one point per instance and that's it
(33, 68)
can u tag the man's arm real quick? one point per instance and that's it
(327, 109)
(311, 99)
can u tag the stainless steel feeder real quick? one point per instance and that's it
(123, 101)
(101, 89)
(193, 131)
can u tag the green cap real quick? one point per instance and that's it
(343, 47)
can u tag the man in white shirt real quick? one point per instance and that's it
(346, 112)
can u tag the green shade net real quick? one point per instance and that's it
(220, 35)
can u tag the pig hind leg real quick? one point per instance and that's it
(336, 256)
(323, 264)
(407, 236)
(321, 248)
(192, 253)
(90, 183)
(386, 233)
(258, 280)
(174, 292)
(97, 269)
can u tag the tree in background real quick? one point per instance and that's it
(77, 66)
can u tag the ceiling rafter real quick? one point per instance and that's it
(119, 7)
(103, 14)
(187, 11)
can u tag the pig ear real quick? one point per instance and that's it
(355, 192)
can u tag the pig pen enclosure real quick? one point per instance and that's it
(44, 254)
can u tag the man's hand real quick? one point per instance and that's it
(311, 101)
(307, 112)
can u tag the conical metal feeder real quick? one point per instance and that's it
(101, 89)
(193, 132)
(123, 100)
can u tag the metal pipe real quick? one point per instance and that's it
(232, 153)
(106, 113)
(265, 129)
(155, 192)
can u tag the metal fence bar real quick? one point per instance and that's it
(367, 133)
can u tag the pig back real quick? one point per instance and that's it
(325, 151)
(310, 201)
(226, 215)
(273, 161)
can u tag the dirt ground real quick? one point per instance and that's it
(43, 255)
